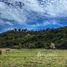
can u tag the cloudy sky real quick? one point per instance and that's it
(32, 14)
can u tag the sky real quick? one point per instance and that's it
(32, 14)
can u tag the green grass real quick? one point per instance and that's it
(33, 58)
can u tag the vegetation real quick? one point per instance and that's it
(22, 38)
(33, 58)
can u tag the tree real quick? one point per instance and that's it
(19, 30)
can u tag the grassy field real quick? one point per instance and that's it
(33, 58)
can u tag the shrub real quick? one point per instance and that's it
(0, 52)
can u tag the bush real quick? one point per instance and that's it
(0, 52)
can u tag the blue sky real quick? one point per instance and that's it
(32, 14)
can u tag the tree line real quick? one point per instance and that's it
(22, 38)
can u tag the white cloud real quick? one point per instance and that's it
(52, 22)
(57, 8)
(50, 8)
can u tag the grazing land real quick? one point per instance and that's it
(23, 48)
(33, 58)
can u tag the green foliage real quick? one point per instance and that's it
(34, 39)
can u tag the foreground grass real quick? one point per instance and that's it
(33, 58)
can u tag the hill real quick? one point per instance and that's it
(49, 38)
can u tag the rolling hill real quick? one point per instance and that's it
(22, 38)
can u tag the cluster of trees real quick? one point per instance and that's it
(49, 38)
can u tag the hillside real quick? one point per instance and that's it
(49, 38)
